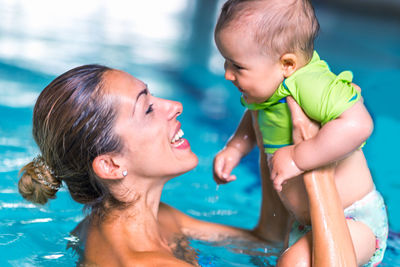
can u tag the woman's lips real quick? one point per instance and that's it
(178, 141)
(181, 144)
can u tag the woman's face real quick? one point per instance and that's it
(149, 129)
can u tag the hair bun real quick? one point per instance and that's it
(38, 182)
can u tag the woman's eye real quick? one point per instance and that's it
(150, 109)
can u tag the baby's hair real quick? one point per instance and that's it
(277, 26)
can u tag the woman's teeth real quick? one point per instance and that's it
(177, 136)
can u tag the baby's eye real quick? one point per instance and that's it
(149, 109)
(238, 67)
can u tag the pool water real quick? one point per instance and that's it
(171, 49)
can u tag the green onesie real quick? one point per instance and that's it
(321, 94)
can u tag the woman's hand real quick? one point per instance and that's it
(303, 127)
(282, 164)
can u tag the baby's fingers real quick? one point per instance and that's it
(222, 171)
(278, 181)
(273, 172)
(230, 178)
(294, 108)
(218, 167)
(227, 170)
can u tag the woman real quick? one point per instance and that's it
(115, 145)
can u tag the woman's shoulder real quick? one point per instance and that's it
(171, 212)
(167, 213)
(171, 217)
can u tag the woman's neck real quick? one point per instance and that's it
(138, 222)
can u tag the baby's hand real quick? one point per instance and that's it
(283, 167)
(224, 162)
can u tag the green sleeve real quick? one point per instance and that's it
(326, 96)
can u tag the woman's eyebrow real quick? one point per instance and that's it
(145, 91)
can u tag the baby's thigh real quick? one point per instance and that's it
(363, 241)
(300, 253)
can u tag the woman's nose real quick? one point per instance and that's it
(174, 109)
(228, 72)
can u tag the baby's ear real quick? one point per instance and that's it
(106, 167)
(289, 63)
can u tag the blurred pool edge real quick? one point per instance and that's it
(389, 9)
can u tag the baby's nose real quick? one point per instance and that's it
(229, 75)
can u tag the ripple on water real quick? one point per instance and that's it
(234, 252)
(6, 239)
(392, 254)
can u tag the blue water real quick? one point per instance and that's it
(171, 49)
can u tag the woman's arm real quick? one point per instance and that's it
(204, 230)
(332, 244)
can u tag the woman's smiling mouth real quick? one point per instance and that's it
(179, 142)
(177, 136)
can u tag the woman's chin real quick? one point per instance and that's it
(186, 160)
(187, 164)
(191, 161)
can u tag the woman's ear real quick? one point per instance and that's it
(289, 63)
(106, 167)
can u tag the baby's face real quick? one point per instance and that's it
(255, 74)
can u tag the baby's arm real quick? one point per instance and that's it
(241, 143)
(334, 141)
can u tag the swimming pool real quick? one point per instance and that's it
(171, 49)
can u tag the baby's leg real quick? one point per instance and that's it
(363, 240)
(300, 253)
(274, 220)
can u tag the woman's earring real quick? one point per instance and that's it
(125, 173)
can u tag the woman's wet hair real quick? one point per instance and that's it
(73, 121)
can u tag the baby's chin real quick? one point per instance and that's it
(252, 100)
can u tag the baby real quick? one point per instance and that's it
(268, 46)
